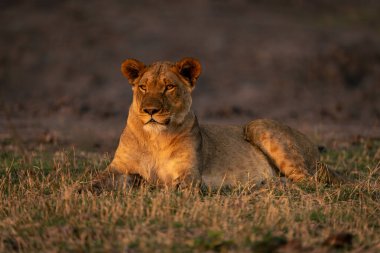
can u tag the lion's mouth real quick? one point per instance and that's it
(153, 121)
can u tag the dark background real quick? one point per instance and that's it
(314, 65)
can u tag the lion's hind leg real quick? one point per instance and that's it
(290, 151)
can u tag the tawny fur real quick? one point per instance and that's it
(163, 143)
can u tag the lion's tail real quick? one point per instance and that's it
(324, 174)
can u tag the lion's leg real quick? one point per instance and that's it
(111, 179)
(192, 181)
(290, 151)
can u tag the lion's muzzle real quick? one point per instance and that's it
(151, 106)
(153, 112)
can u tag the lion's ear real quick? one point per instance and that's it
(131, 69)
(190, 69)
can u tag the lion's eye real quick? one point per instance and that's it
(142, 88)
(170, 87)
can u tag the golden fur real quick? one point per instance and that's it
(163, 143)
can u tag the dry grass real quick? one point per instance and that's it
(40, 213)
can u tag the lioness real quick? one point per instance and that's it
(163, 143)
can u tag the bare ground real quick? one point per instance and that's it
(315, 66)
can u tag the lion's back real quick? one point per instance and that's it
(229, 159)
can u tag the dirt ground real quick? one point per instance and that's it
(314, 66)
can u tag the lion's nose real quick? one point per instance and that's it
(151, 111)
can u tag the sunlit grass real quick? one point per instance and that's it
(40, 212)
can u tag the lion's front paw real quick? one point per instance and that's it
(94, 187)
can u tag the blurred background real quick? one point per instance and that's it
(314, 65)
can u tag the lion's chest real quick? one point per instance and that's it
(165, 164)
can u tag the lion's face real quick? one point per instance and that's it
(161, 91)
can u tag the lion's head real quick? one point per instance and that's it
(161, 91)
